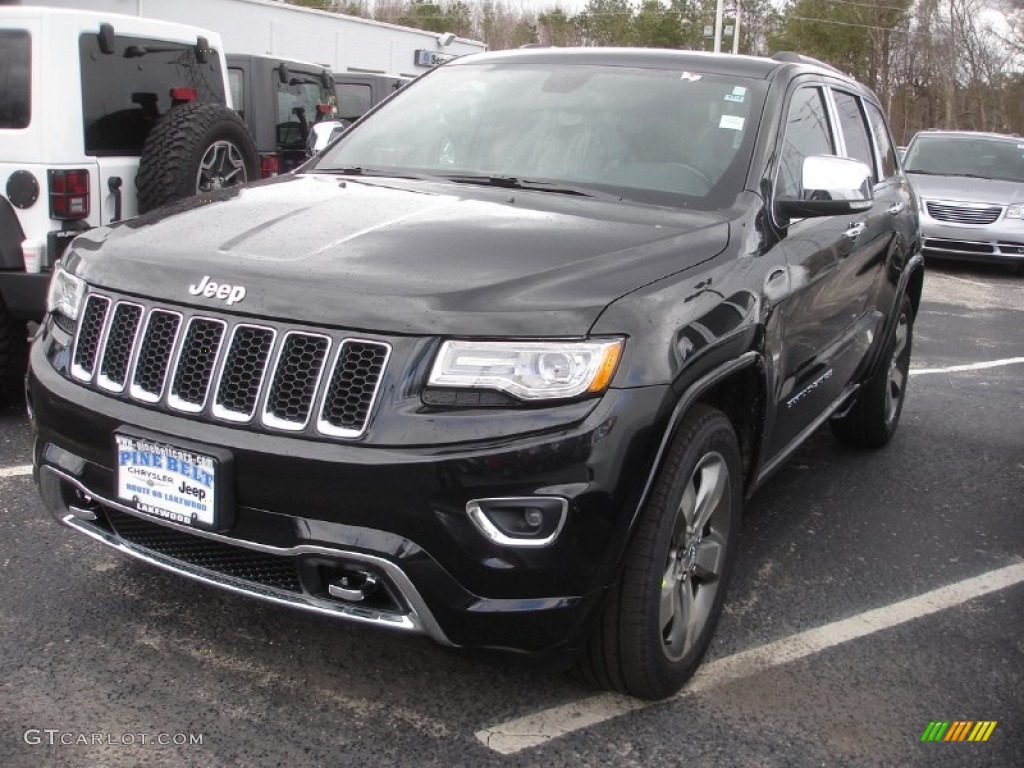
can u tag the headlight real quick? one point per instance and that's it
(1015, 212)
(529, 370)
(66, 294)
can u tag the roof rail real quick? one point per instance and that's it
(799, 58)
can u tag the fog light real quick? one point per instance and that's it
(529, 521)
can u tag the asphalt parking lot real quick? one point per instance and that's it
(874, 593)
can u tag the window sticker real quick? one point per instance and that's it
(690, 77)
(732, 122)
(734, 97)
(739, 90)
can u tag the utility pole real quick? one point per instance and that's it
(736, 29)
(719, 15)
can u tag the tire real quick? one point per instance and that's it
(194, 149)
(13, 357)
(643, 645)
(874, 416)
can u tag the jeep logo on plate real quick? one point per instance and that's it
(211, 290)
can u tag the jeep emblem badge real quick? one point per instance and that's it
(232, 294)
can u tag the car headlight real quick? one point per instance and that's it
(529, 370)
(66, 294)
(1015, 212)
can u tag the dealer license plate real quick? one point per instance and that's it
(167, 482)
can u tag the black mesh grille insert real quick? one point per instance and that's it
(88, 344)
(353, 385)
(117, 352)
(195, 363)
(243, 370)
(277, 571)
(295, 379)
(155, 352)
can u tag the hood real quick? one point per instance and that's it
(965, 189)
(400, 257)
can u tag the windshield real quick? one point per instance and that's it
(659, 136)
(985, 157)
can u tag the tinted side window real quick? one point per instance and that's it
(236, 82)
(353, 100)
(884, 141)
(126, 92)
(15, 78)
(297, 101)
(807, 133)
(855, 132)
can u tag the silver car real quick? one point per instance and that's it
(971, 187)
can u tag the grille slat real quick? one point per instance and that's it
(353, 388)
(224, 370)
(964, 214)
(117, 351)
(244, 368)
(90, 332)
(154, 357)
(196, 360)
(296, 378)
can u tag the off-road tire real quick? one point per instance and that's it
(628, 650)
(874, 416)
(177, 145)
(13, 357)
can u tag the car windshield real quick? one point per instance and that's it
(983, 157)
(650, 135)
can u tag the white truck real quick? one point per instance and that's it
(264, 27)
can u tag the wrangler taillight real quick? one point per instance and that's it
(270, 165)
(69, 194)
(182, 94)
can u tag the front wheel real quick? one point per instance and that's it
(872, 420)
(660, 617)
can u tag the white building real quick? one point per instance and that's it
(343, 43)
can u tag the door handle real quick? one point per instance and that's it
(114, 185)
(855, 230)
(895, 208)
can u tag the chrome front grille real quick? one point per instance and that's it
(227, 370)
(963, 213)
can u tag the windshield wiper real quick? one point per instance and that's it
(513, 182)
(362, 170)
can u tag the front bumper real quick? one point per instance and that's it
(999, 242)
(307, 511)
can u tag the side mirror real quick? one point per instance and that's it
(322, 134)
(830, 186)
(283, 74)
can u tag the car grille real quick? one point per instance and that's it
(960, 213)
(227, 370)
(277, 571)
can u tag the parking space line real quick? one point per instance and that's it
(969, 366)
(24, 469)
(541, 727)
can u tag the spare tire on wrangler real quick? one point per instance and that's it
(194, 149)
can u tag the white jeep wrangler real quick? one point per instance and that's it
(102, 117)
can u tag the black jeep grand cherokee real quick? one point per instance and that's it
(502, 364)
